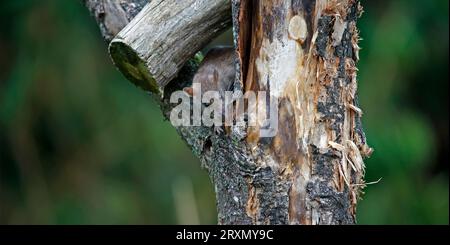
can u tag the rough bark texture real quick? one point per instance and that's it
(311, 172)
(112, 16)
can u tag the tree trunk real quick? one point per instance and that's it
(302, 53)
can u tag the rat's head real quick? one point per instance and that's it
(207, 77)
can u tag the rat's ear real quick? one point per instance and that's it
(189, 91)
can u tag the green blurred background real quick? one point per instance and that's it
(81, 145)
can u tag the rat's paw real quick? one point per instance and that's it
(218, 129)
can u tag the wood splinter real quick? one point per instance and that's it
(153, 47)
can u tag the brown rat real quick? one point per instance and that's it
(216, 71)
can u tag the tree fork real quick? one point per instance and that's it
(303, 53)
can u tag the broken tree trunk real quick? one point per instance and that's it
(303, 54)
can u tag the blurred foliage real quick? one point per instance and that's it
(79, 144)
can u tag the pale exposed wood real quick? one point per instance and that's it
(153, 47)
(303, 53)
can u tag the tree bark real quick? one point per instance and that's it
(303, 54)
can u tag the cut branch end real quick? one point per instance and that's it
(132, 66)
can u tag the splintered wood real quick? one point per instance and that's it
(304, 54)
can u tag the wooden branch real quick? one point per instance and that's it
(113, 15)
(153, 47)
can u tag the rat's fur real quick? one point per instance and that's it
(216, 71)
